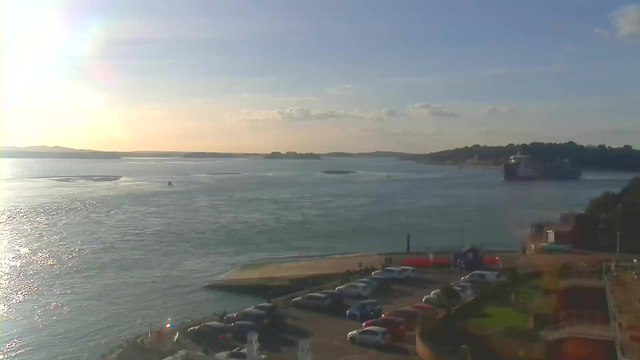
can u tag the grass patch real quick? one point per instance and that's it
(500, 317)
(528, 293)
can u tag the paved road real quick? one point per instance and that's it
(327, 331)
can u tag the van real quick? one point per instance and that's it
(482, 276)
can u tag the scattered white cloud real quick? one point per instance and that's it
(497, 110)
(307, 114)
(384, 114)
(601, 33)
(340, 90)
(424, 109)
(626, 20)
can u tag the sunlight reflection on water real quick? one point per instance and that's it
(84, 264)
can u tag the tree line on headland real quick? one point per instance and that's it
(620, 212)
(588, 157)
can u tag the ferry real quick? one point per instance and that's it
(522, 167)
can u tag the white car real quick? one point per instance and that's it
(482, 276)
(407, 272)
(387, 273)
(433, 300)
(354, 289)
(373, 335)
(463, 285)
(465, 293)
(237, 353)
(313, 300)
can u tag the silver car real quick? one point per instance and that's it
(373, 335)
(313, 300)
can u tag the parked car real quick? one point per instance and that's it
(313, 300)
(409, 315)
(257, 317)
(374, 335)
(482, 276)
(240, 329)
(365, 310)
(370, 283)
(237, 353)
(382, 282)
(461, 283)
(465, 293)
(337, 298)
(274, 314)
(207, 332)
(433, 300)
(354, 289)
(396, 326)
(425, 308)
(387, 273)
(407, 272)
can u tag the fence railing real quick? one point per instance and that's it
(579, 274)
(583, 317)
(613, 316)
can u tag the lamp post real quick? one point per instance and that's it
(616, 263)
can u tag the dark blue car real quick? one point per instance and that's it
(365, 310)
(240, 329)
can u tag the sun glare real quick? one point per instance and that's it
(39, 99)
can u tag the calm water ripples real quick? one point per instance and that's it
(86, 264)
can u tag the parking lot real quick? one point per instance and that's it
(327, 330)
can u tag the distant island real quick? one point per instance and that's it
(393, 154)
(209, 155)
(151, 154)
(292, 155)
(587, 157)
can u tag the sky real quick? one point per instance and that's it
(316, 76)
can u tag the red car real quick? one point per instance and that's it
(423, 308)
(395, 326)
(409, 315)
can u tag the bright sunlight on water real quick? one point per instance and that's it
(88, 261)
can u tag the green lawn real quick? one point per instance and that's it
(501, 317)
(527, 293)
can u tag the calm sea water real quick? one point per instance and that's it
(87, 264)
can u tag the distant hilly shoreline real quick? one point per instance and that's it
(59, 152)
(600, 157)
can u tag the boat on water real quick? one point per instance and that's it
(522, 167)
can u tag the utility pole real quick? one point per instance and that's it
(616, 263)
(618, 246)
(408, 235)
